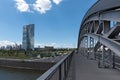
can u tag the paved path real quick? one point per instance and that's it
(84, 69)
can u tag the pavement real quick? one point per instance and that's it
(83, 69)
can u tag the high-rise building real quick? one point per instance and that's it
(28, 37)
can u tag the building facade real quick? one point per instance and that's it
(28, 37)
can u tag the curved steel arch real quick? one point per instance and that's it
(97, 21)
(101, 6)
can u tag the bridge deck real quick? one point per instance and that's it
(84, 69)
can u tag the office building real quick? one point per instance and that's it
(28, 37)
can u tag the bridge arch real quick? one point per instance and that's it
(99, 33)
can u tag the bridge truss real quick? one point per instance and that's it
(99, 36)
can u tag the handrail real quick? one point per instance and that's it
(48, 74)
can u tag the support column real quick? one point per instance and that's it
(113, 63)
(106, 26)
(111, 59)
(84, 46)
(81, 51)
(96, 24)
(88, 48)
(91, 27)
(103, 57)
(92, 55)
(108, 58)
(86, 40)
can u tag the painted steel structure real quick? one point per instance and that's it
(99, 36)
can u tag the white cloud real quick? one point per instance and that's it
(55, 45)
(6, 42)
(57, 1)
(45, 44)
(22, 6)
(42, 6)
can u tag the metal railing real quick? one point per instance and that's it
(59, 71)
(117, 62)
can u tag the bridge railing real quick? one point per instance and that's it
(59, 71)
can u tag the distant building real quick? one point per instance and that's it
(16, 47)
(2, 48)
(45, 48)
(9, 47)
(28, 37)
(49, 47)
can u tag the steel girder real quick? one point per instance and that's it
(101, 11)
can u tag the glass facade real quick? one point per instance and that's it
(28, 37)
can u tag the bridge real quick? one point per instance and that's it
(98, 54)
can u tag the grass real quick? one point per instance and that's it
(18, 56)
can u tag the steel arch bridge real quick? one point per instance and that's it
(99, 35)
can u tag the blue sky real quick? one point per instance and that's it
(57, 22)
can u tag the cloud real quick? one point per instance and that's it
(57, 1)
(22, 6)
(45, 44)
(55, 45)
(42, 6)
(6, 42)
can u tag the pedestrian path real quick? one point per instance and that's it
(84, 69)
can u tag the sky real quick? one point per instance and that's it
(57, 22)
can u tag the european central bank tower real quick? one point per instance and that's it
(28, 37)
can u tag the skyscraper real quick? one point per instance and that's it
(28, 37)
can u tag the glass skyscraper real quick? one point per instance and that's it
(28, 37)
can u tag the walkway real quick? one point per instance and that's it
(84, 69)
